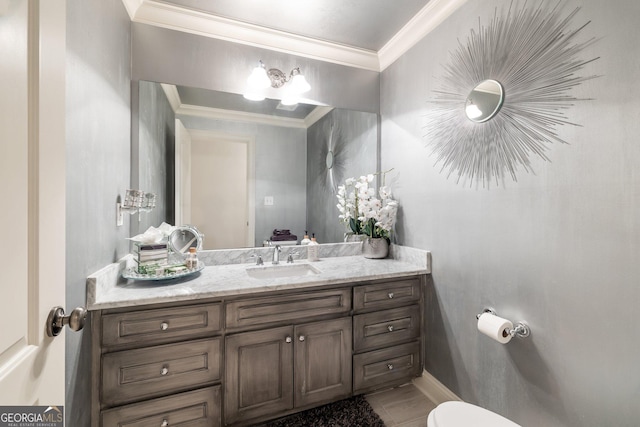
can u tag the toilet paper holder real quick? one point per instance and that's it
(520, 329)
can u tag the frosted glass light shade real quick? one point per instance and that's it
(258, 79)
(299, 84)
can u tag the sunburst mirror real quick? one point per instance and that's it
(504, 93)
(332, 158)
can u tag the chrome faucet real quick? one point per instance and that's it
(276, 254)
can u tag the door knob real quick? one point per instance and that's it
(57, 320)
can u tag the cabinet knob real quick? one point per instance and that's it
(390, 367)
(390, 295)
(164, 326)
(165, 423)
(301, 338)
(164, 371)
(390, 328)
(288, 339)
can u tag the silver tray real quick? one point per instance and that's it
(131, 273)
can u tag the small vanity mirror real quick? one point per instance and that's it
(329, 159)
(185, 237)
(484, 101)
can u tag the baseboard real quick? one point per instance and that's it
(434, 389)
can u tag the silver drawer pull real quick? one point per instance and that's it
(390, 367)
(301, 338)
(390, 295)
(164, 371)
(390, 328)
(287, 339)
(164, 326)
(165, 423)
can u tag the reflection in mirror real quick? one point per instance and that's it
(185, 237)
(329, 159)
(277, 162)
(484, 101)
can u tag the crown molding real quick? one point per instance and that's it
(171, 92)
(240, 116)
(195, 22)
(319, 112)
(132, 7)
(425, 21)
(169, 16)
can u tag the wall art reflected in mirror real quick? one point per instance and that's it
(238, 169)
(505, 92)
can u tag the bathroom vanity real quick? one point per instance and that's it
(226, 348)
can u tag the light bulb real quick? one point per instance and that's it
(253, 95)
(472, 111)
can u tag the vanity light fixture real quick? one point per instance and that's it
(472, 110)
(261, 79)
(134, 201)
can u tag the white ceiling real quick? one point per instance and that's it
(368, 34)
(363, 24)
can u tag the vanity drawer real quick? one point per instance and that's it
(387, 366)
(386, 295)
(200, 408)
(153, 371)
(383, 328)
(257, 311)
(161, 325)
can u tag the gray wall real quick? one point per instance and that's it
(280, 172)
(98, 144)
(156, 156)
(353, 137)
(557, 249)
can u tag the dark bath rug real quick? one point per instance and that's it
(352, 412)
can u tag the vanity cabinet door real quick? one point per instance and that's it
(258, 374)
(323, 361)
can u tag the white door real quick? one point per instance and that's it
(221, 193)
(32, 190)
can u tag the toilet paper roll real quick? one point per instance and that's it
(495, 327)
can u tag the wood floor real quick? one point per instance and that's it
(404, 406)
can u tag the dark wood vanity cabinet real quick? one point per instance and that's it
(275, 370)
(387, 330)
(251, 358)
(157, 366)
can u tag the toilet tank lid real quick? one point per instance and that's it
(453, 414)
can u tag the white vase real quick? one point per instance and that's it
(375, 248)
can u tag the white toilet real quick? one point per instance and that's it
(462, 414)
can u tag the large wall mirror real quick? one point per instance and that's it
(239, 169)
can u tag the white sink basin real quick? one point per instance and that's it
(282, 270)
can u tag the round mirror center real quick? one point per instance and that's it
(484, 101)
(329, 159)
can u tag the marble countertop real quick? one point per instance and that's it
(107, 289)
